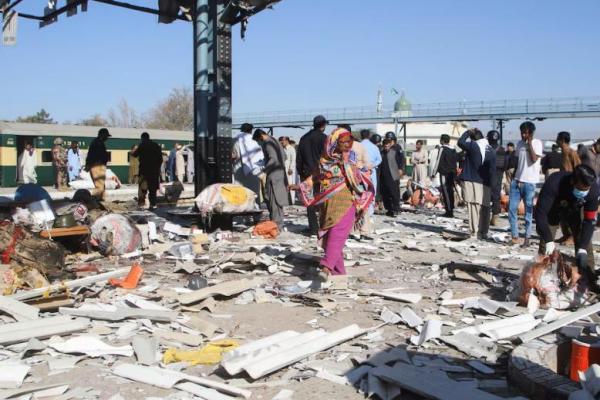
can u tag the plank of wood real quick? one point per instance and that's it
(222, 289)
(60, 232)
(559, 323)
(88, 280)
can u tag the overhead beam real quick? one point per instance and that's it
(140, 8)
(68, 7)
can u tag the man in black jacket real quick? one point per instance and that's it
(390, 172)
(150, 156)
(569, 196)
(96, 160)
(493, 138)
(309, 152)
(446, 168)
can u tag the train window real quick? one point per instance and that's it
(109, 156)
(47, 156)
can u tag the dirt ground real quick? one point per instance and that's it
(389, 265)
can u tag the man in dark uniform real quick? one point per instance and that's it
(150, 155)
(446, 168)
(571, 197)
(390, 171)
(308, 154)
(493, 138)
(399, 152)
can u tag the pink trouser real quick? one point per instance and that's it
(334, 241)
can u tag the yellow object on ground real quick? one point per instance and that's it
(209, 354)
(234, 194)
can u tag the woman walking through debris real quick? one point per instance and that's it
(345, 194)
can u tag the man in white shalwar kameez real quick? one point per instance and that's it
(247, 156)
(28, 164)
(419, 163)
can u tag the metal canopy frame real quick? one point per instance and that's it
(212, 74)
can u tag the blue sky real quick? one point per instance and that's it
(314, 53)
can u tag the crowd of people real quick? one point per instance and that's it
(343, 179)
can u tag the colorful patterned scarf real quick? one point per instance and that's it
(335, 174)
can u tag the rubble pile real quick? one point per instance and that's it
(147, 306)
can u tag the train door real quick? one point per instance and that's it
(20, 147)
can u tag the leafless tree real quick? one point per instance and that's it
(176, 112)
(124, 116)
(94, 120)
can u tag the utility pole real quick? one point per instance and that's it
(212, 94)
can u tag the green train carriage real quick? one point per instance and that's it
(14, 136)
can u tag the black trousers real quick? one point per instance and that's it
(390, 194)
(496, 189)
(312, 213)
(148, 184)
(447, 189)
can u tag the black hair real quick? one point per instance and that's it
(476, 134)
(387, 141)
(584, 174)
(365, 134)
(283, 138)
(420, 142)
(258, 133)
(375, 138)
(564, 136)
(527, 126)
(554, 147)
(145, 135)
(246, 127)
(445, 138)
(511, 144)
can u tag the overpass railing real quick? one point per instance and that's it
(459, 109)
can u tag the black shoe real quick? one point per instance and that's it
(389, 214)
(526, 243)
(448, 215)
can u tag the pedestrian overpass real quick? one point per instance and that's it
(497, 110)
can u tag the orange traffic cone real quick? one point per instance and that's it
(131, 280)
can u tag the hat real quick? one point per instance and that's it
(320, 120)
(390, 135)
(246, 127)
(103, 132)
(493, 136)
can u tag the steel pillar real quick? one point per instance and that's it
(212, 95)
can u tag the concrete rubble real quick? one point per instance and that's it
(422, 302)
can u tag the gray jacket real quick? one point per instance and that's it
(276, 185)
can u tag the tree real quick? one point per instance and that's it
(176, 112)
(41, 117)
(124, 116)
(94, 120)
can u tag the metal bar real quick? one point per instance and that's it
(201, 91)
(254, 11)
(11, 6)
(139, 8)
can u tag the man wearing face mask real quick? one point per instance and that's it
(571, 197)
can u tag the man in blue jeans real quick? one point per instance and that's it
(527, 175)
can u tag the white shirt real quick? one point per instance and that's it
(527, 171)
